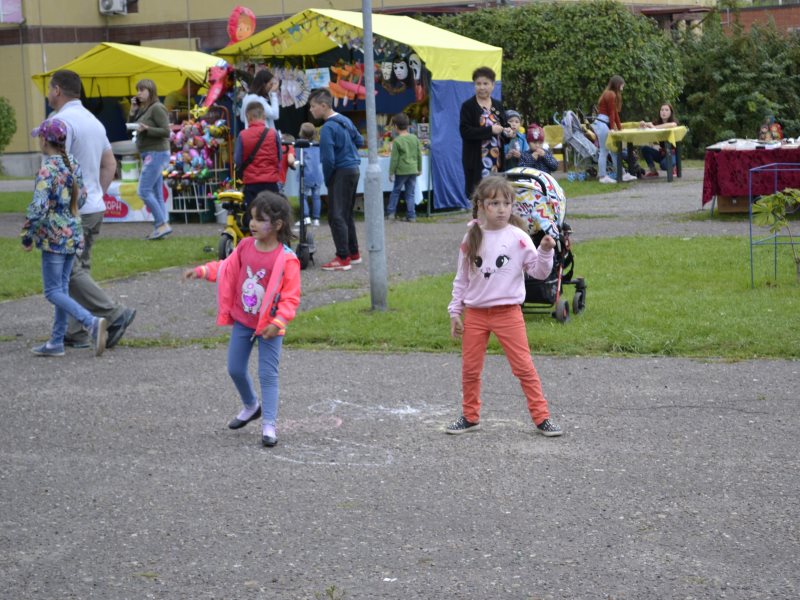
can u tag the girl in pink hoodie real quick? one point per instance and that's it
(258, 292)
(488, 290)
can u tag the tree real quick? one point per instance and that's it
(559, 56)
(735, 81)
(8, 123)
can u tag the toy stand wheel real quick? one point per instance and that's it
(304, 254)
(225, 246)
(561, 313)
(579, 301)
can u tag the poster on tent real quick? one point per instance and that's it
(123, 204)
(318, 78)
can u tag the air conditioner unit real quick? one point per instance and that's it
(113, 7)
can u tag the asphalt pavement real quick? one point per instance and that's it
(119, 479)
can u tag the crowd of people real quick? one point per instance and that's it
(259, 283)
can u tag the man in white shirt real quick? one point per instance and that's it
(88, 143)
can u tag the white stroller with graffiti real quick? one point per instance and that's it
(541, 203)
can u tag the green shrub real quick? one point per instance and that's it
(8, 123)
(559, 56)
(735, 80)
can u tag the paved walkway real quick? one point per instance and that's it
(118, 478)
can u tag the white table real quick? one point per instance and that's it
(423, 181)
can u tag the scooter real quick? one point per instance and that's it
(306, 246)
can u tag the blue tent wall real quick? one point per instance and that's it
(446, 98)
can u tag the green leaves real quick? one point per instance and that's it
(8, 123)
(559, 56)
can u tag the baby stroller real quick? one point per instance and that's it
(541, 203)
(583, 151)
(582, 141)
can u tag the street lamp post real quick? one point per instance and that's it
(373, 194)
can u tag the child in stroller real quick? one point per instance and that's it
(541, 203)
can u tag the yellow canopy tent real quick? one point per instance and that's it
(446, 55)
(450, 58)
(111, 69)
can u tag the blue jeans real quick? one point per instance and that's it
(151, 185)
(653, 155)
(269, 357)
(409, 182)
(55, 281)
(316, 203)
(601, 129)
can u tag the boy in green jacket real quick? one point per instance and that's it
(404, 167)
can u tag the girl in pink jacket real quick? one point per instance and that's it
(258, 292)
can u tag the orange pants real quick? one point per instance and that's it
(508, 326)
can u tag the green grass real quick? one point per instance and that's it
(15, 202)
(645, 296)
(111, 259)
(588, 187)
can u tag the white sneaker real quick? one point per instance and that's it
(315, 222)
(307, 221)
(607, 179)
(628, 177)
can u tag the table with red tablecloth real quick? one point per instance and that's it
(726, 172)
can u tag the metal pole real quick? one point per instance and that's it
(373, 194)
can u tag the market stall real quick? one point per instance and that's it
(728, 166)
(111, 71)
(420, 69)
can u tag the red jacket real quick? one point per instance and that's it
(281, 297)
(265, 166)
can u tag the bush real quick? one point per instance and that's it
(735, 81)
(8, 123)
(559, 56)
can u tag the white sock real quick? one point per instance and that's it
(268, 429)
(246, 413)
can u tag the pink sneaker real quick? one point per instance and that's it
(355, 259)
(337, 264)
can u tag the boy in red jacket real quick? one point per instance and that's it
(257, 156)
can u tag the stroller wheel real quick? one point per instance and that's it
(225, 246)
(561, 312)
(579, 301)
(304, 255)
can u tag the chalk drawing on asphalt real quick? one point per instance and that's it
(336, 452)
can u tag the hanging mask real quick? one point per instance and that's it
(416, 66)
(386, 70)
(400, 69)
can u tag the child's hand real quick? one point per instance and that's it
(456, 326)
(270, 332)
(547, 243)
(190, 274)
